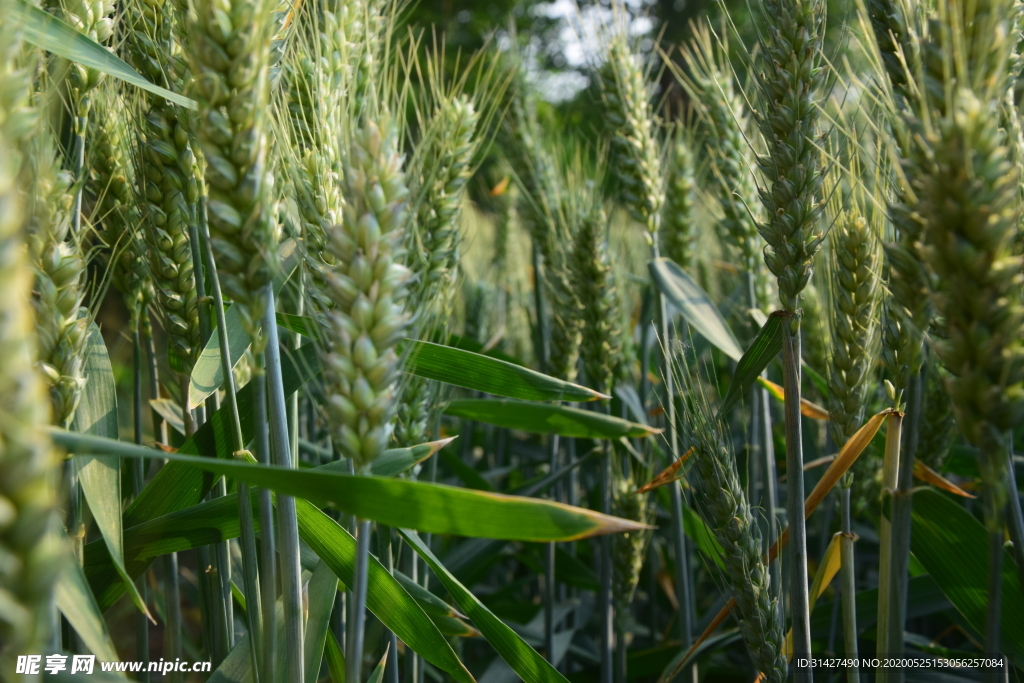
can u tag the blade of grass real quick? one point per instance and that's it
(48, 32)
(77, 604)
(765, 347)
(320, 594)
(489, 375)
(694, 303)
(524, 660)
(435, 508)
(100, 475)
(547, 419)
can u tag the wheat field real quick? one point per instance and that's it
(334, 346)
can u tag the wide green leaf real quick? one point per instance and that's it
(322, 588)
(694, 303)
(53, 35)
(217, 520)
(765, 347)
(540, 418)
(77, 604)
(335, 659)
(207, 375)
(433, 508)
(100, 475)
(953, 546)
(489, 375)
(385, 597)
(378, 672)
(523, 659)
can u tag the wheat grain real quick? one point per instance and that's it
(678, 225)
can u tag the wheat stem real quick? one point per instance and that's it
(357, 620)
(268, 529)
(890, 479)
(288, 527)
(848, 581)
(250, 570)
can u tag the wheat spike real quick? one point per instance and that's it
(229, 49)
(791, 76)
(678, 224)
(27, 463)
(723, 504)
(367, 287)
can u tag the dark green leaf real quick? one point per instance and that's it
(953, 546)
(489, 375)
(541, 418)
(77, 604)
(323, 586)
(523, 659)
(765, 347)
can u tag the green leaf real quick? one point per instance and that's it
(523, 659)
(378, 672)
(385, 597)
(217, 520)
(207, 376)
(299, 324)
(335, 659)
(322, 588)
(77, 604)
(100, 475)
(697, 529)
(433, 508)
(53, 35)
(237, 666)
(431, 604)
(953, 546)
(466, 474)
(489, 375)
(541, 418)
(170, 411)
(765, 347)
(693, 302)
(395, 461)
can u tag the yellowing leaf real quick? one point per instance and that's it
(807, 408)
(668, 475)
(930, 476)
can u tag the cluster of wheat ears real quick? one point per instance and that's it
(306, 249)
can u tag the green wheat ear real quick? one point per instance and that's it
(636, 156)
(27, 463)
(790, 83)
(366, 286)
(723, 504)
(229, 49)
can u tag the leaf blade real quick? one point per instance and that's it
(53, 35)
(765, 347)
(695, 305)
(547, 419)
(489, 375)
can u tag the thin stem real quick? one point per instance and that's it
(386, 552)
(354, 638)
(902, 501)
(138, 481)
(890, 479)
(798, 599)
(221, 590)
(994, 613)
(848, 582)
(159, 424)
(1015, 520)
(172, 598)
(250, 570)
(604, 598)
(771, 491)
(268, 550)
(291, 568)
(549, 571)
